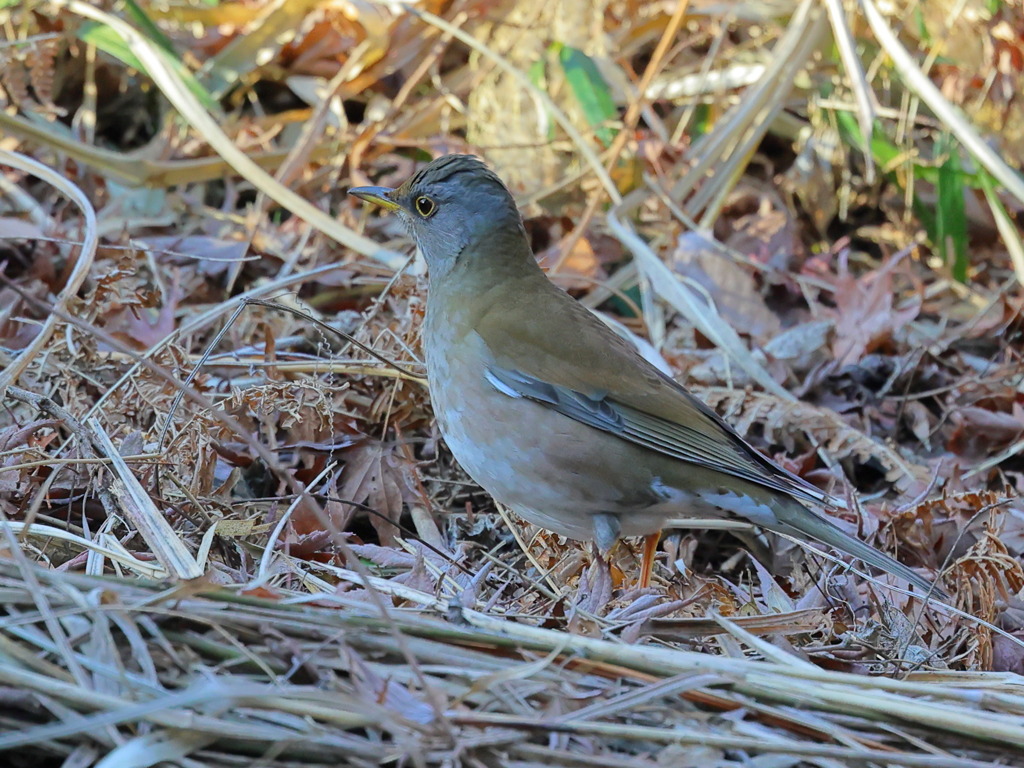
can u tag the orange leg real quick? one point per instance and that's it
(647, 566)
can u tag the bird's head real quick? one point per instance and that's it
(455, 208)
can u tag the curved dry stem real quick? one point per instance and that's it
(176, 92)
(85, 258)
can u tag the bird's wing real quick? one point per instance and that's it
(580, 368)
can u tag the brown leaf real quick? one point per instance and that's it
(730, 285)
(978, 431)
(377, 474)
(866, 317)
(386, 557)
(578, 269)
(920, 421)
(12, 438)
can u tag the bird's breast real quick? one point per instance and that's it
(550, 469)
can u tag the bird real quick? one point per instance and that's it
(558, 417)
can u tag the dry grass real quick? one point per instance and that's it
(230, 532)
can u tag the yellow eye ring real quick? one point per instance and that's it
(425, 207)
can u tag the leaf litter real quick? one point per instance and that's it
(362, 600)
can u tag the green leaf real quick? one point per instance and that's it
(150, 30)
(590, 90)
(946, 221)
(111, 43)
(883, 151)
(700, 123)
(886, 153)
(951, 211)
(108, 41)
(922, 28)
(623, 308)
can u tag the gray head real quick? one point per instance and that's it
(455, 207)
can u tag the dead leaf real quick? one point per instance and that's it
(377, 474)
(979, 431)
(731, 286)
(865, 313)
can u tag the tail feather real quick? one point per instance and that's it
(794, 519)
(772, 511)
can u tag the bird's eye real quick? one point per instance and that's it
(425, 207)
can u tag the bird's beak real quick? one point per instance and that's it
(377, 195)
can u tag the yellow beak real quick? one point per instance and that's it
(377, 195)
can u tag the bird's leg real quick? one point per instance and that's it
(606, 532)
(647, 565)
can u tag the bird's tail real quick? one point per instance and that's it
(794, 519)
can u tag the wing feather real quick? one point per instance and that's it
(574, 364)
(705, 448)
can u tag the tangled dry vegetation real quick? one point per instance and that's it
(230, 532)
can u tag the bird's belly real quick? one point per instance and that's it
(550, 469)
